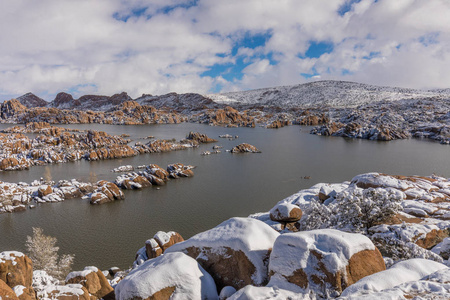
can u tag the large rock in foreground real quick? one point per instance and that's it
(323, 260)
(235, 252)
(94, 281)
(404, 271)
(170, 276)
(16, 269)
(6, 292)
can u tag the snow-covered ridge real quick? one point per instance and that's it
(324, 94)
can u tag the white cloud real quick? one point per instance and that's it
(50, 46)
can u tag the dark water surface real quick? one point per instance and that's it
(225, 185)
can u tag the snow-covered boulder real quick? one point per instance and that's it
(400, 273)
(443, 249)
(106, 192)
(265, 292)
(235, 252)
(226, 292)
(325, 261)
(285, 212)
(94, 281)
(64, 292)
(17, 269)
(172, 275)
(374, 180)
(179, 170)
(160, 242)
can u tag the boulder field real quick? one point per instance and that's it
(308, 246)
(17, 197)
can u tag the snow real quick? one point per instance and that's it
(18, 289)
(404, 271)
(321, 94)
(249, 235)
(282, 210)
(10, 255)
(274, 293)
(443, 247)
(226, 292)
(84, 273)
(292, 251)
(152, 242)
(376, 180)
(169, 270)
(162, 237)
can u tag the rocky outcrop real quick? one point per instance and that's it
(179, 170)
(170, 276)
(323, 260)
(287, 214)
(66, 292)
(156, 246)
(402, 272)
(11, 108)
(94, 281)
(228, 117)
(16, 270)
(279, 124)
(200, 137)
(309, 119)
(244, 147)
(106, 192)
(235, 252)
(6, 292)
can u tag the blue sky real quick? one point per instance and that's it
(206, 46)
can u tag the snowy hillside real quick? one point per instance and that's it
(324, 93)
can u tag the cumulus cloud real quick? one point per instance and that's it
(159, 46)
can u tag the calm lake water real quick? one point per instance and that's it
(225, 185)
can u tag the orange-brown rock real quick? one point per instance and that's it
(44, 190)
(142, 181)
(17, 269)
(106, 192)
(158, 172)
(9, 163)
(69, 292)
(179, 170)
(200, 137)
(235, 252)
(433, 238)
(6, 292)
(326, 261)
(286, 212)
(309, 119)
(279, 124)
(244, 147)
(94, 281)
(156, 246)
(11, 108)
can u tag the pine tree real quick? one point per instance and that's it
(44, 254)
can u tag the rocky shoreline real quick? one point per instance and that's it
(16, 197)
(308, 246)
(423, 115)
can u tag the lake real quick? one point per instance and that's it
(225, 185)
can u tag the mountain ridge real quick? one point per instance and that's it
(326, 93)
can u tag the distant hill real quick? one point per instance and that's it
(328, 93)
(31, 100)
(324, 94)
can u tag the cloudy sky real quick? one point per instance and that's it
(160, 46)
